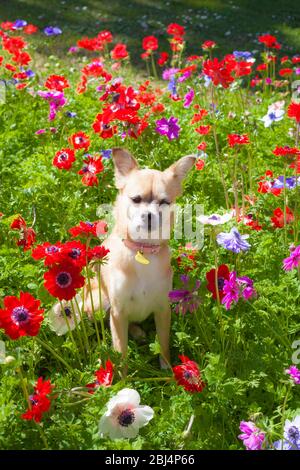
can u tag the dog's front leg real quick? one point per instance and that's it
(119, 331)
(163, 324)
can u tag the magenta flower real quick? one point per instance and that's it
(252, 437)
(188, 99)
(294, 372)
(236, 288)
(56, 100)
(168, 127)
(169, 73)
(187, 300)
(293, 261)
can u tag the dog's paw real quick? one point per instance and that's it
(137, 333)
(163, 363)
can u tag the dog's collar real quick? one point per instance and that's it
(147, 248)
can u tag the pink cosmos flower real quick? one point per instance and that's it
(293, 261)
(294, 372)
(56, 100)
(236, 288)
(188, 99)
(252, 437)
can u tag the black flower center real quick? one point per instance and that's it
(51, 249)
(63, 157)
(20, 314)
(63, 279)
(293, 433)
(126, 418)
(75, 253)
(68, 312)
(221, 282)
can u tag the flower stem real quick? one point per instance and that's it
(55, 354)
(91, 294)
(70, 332)
(100, 305)
(85, 336)
(78, 330)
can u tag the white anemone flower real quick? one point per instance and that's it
(124, 416)
(275, 113)
(215, 219)
(61, 322)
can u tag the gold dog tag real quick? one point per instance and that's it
(140, 258)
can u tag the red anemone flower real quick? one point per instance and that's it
(119, 52)
(64, 159)
(57, 82)
(163, 58)
(188, 375)
(27, 234)
(203, 130)
(150, 43)
(174, 29)
(80, 140)
(62, 281)
(269, 41)
(222, 275)
(104, 376)
(21, 317)
(294, 111)
(72, 251)
(208, 45)
(92, 166)
(219, 71)
(278, 217)
(97, 253)
(48, 251)
(39, 401)
(237, 139)
(87, 229)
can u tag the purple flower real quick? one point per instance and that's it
(71, 114)
(291, 182)
(56, 100)
(233, 241)
(231, 291)
(52, 31)
(291, 436)
(293, 261)
(169, 73)
(19, 24)
(252, 436)
(188, 99)
(168, 127)
(73, 49)
(244, 55)
(184, 76)
(235, 288)
(187, 299)
(106, 153)
(172, 86)
(40, 131)
(294, 372)
(30, 73)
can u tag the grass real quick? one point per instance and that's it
(232, 24)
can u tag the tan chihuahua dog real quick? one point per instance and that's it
(137, 278)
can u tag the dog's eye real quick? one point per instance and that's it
(136, 199)
(164, 201)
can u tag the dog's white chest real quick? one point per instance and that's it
(143, 293)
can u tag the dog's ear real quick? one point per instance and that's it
(180, 168)
(124, 163)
